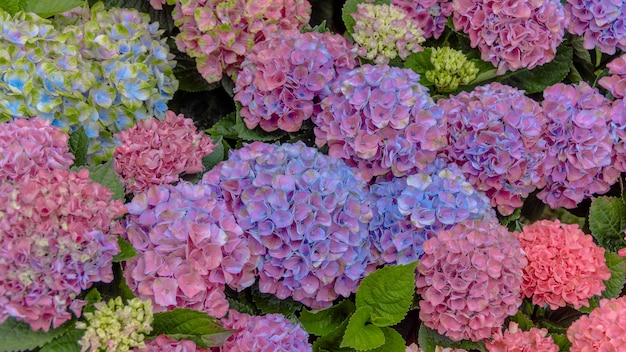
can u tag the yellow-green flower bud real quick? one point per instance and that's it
(452, 69)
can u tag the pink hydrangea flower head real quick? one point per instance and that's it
(219, 34)
(266, 333)
(283, 78)
(512, 34)
(429, 15)
(602, 330)
(616, 82)
(164, 343)
(602, 23)
(57, 237)
(564, 267)
(409, 210)
(469, 279)
(156, 152)
(618, 132)
(380, 119)
(415, 348)
(578, 145)
(189, 247)
(29, 145)
(305, 213)
(515, 339)
(494, 137)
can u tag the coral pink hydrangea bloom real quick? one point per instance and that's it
(616, 82)
(162, 343)
(603, 330)
(29, 145)
(429, 15)
(469, 279)
(512, 34)
(516, 340)
(57, 237)
(564, 267)
(156, 152)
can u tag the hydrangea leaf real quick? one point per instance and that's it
(18, 336)
(106, 176)
(389, 292)
(394, 342)
(127, 251)
(350, 7)
(579, 50)
(359, 334)
(523, 321)
(217, 155)
(256, 134)
(323, 322)
(614, 285)
(330, 342)
(607, 221)
(187, 324)
(93, 296)
(67, 342)
(48, 8)
(562, 341)
(420, 62)
(225, 127)
(270, 304)
(429, 339)
(10, 6)
(79, 144)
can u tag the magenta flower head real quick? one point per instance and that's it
(578, 145)
(283, 78)
(266, 333)
(469, 279)
(219, 34)
(189, 247)
(602, 23)
(512, 34)
(409, 210)
(380, 119)
(515, 339)
(603, 329)
(616, 82)
(493, 135)
(164, 343)
(29, 145)
(57, 237)
(156, 152)
(306, 214)
(429, 15)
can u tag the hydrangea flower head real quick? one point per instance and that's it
(564, 267)
(409, 210)
(189, 247)
(156, 152)
(451, 69)
(62, 240)
(380, 119)
(494, 138)
(385, 32)
(284, 77)
(266, 333)
(429, 15)
(616, 82)
(602, 23)
(115, 326)
(469, 279)
(617, 128)
(29, 145)
(305, 214)
(602, 330)
(512, 34)
(578, 145)
(515, 339)
(218, 33)
(164, 343)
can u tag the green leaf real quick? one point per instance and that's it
(394, 342)
(614, 285)
(256, 134)
(537, 79)
(420, 62)
(360, 335)
(127, 251)
(225, 127)
(350, 7)
(323, 322)
(187, 324)
(320, 28)
(218, 155)
(428, 339)
(67, 342)
(522, 320)
(389, 292)
(562, 341)
(18, 336)
(106, 176)
(93, 296)
(579, 50)
(330, 342)
(48, 8)
(269, 304)
(10, 6)
(607, 221)
(79, 144)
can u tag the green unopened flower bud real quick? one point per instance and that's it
(452, 69)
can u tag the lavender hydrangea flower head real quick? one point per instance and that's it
(189, 247)
(578, 145)
(494, 137)
(618, 132)
(380, 119)
(283, 78)
(512, 34)
(602, 23)
(410, 210)
(306, 214)
(616, 82)
(429, 15)
(219, 34)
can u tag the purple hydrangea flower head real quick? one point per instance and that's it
(494, 137)
(189, 247)
(512, 34)
(469, 279)
(578, 145)
(305, 213)
(602, 23)
(380, 119)
(429, 15)
(618, 132)
(219, 33)
(616, 82)
(409, 210)
(283, 78)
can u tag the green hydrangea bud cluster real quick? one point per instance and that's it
(114, 326)
(385, 32)
(452, 69)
